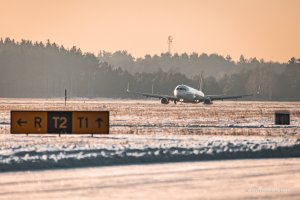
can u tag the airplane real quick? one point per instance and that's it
(187, 94)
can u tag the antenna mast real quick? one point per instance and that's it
(170, 40)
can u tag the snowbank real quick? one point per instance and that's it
(34, 152)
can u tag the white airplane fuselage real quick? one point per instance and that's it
(188, 94)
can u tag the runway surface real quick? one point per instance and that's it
(234, 179)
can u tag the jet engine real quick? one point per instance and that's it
(164, 100)
(207, 101)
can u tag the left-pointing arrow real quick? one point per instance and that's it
(20, 122)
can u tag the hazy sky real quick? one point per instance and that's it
(266, 29)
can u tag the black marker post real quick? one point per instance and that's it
(65, 96)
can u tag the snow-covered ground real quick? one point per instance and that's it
(147, 132)
(35, 152)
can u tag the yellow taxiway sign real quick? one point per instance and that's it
(75, 122)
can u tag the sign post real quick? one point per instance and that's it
(65, 96)
(60, 122)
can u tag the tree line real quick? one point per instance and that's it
(44, 70)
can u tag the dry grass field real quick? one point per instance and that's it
(147, 131)
(151, 117)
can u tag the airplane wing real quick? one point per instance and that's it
(159, 96)
(223, 97)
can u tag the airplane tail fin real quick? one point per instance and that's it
(128, 90)
(201, 82)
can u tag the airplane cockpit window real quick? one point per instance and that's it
(180, 88)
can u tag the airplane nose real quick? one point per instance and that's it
(175, 93)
